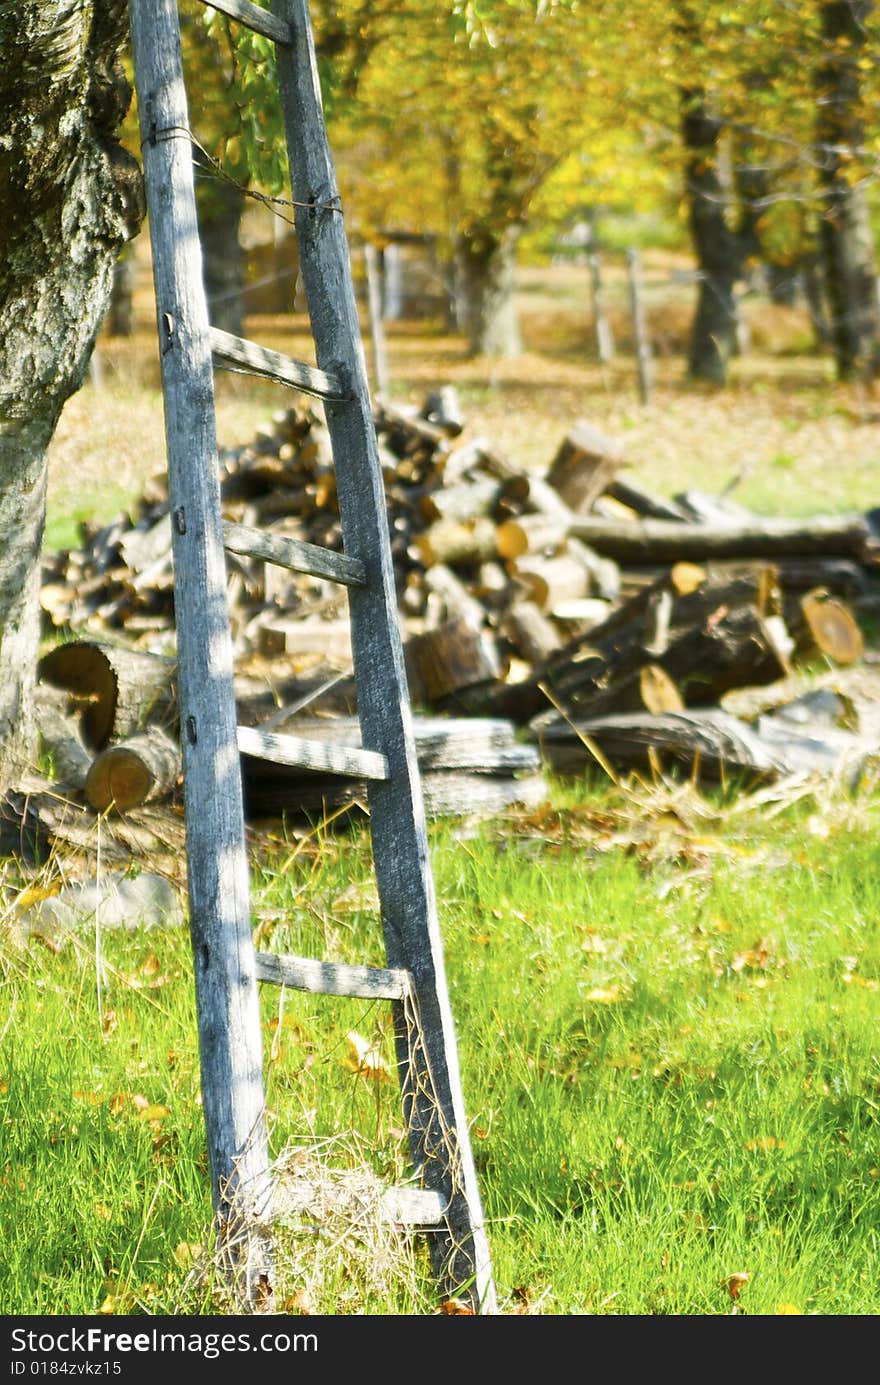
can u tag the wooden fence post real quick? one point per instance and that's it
(601, 325)
(644, 359)
(377, 319)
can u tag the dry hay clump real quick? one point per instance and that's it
(334, 1248)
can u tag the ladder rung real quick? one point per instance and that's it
(332, 978)
(314, 755)
(246, 355)
(294, 554)
(252, 17)
(413, 1206)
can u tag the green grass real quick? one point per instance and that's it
(666, 1011)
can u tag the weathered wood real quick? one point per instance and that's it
(458, 604)
(551, 580)
(583, 465)
(284, 749)
(457, 543)
(644, 357)
(137, 770)
(261, 21)
(601, 322)
(60, 736)
(484, 745)
(376, 318)
(463, 501)
(530, 631)
(235, 353)
(332, 978)
(307, 558)
(641, 502)
(658, 541)
(121, 689)
(444, 660)
(305, 635)
(731, 650)
(707, 743)
(427, 1058)
(223, 954)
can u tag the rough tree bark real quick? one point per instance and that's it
(846, 239)
(71, 198)
(719, 248)
(485, 280)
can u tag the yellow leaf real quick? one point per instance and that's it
(151, 965)
(786, 1310)
(364, 1058)
(109, 1304)
(765, 1142)
(604, 995)
(154, 1113)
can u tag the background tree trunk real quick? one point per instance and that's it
(71, 197)
(846, 239)
(220, 209)
(485, 281)
(717, 247)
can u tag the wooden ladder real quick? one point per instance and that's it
(227, 968)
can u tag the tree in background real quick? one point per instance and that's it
(71, 198)
(847, 240)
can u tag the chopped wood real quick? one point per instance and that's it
(821, 625)
(443, 661)
(583, 465)
(657, 540)
(134, 771)
(120, 689)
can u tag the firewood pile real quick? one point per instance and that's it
(549, 618)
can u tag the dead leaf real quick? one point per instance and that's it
(735, 1283)
(364, 1059)
(456, 1307)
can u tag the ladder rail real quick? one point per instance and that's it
(433, 1100)
(218, 872)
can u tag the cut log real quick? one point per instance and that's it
(529, 534)
(732, 649)
(548, 581)
(584, 464)
(820, 625)
(644, 504)
(457, 543)
(708, 744)
(458, 604)
(443, 661)
(121, 690)
(60, 736)
(309, 635)
(138, 770)
(529, 631)
(659, 541)
(462, 502)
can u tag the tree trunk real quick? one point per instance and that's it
(485, 279)
(71, 198)
(846, 239)
(220, 208)
(717, 247)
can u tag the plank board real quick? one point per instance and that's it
(332, 978)
(312, 755)
(241, 354)
(293, 554)
(252, 17)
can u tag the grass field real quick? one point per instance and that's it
(666, 1000)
